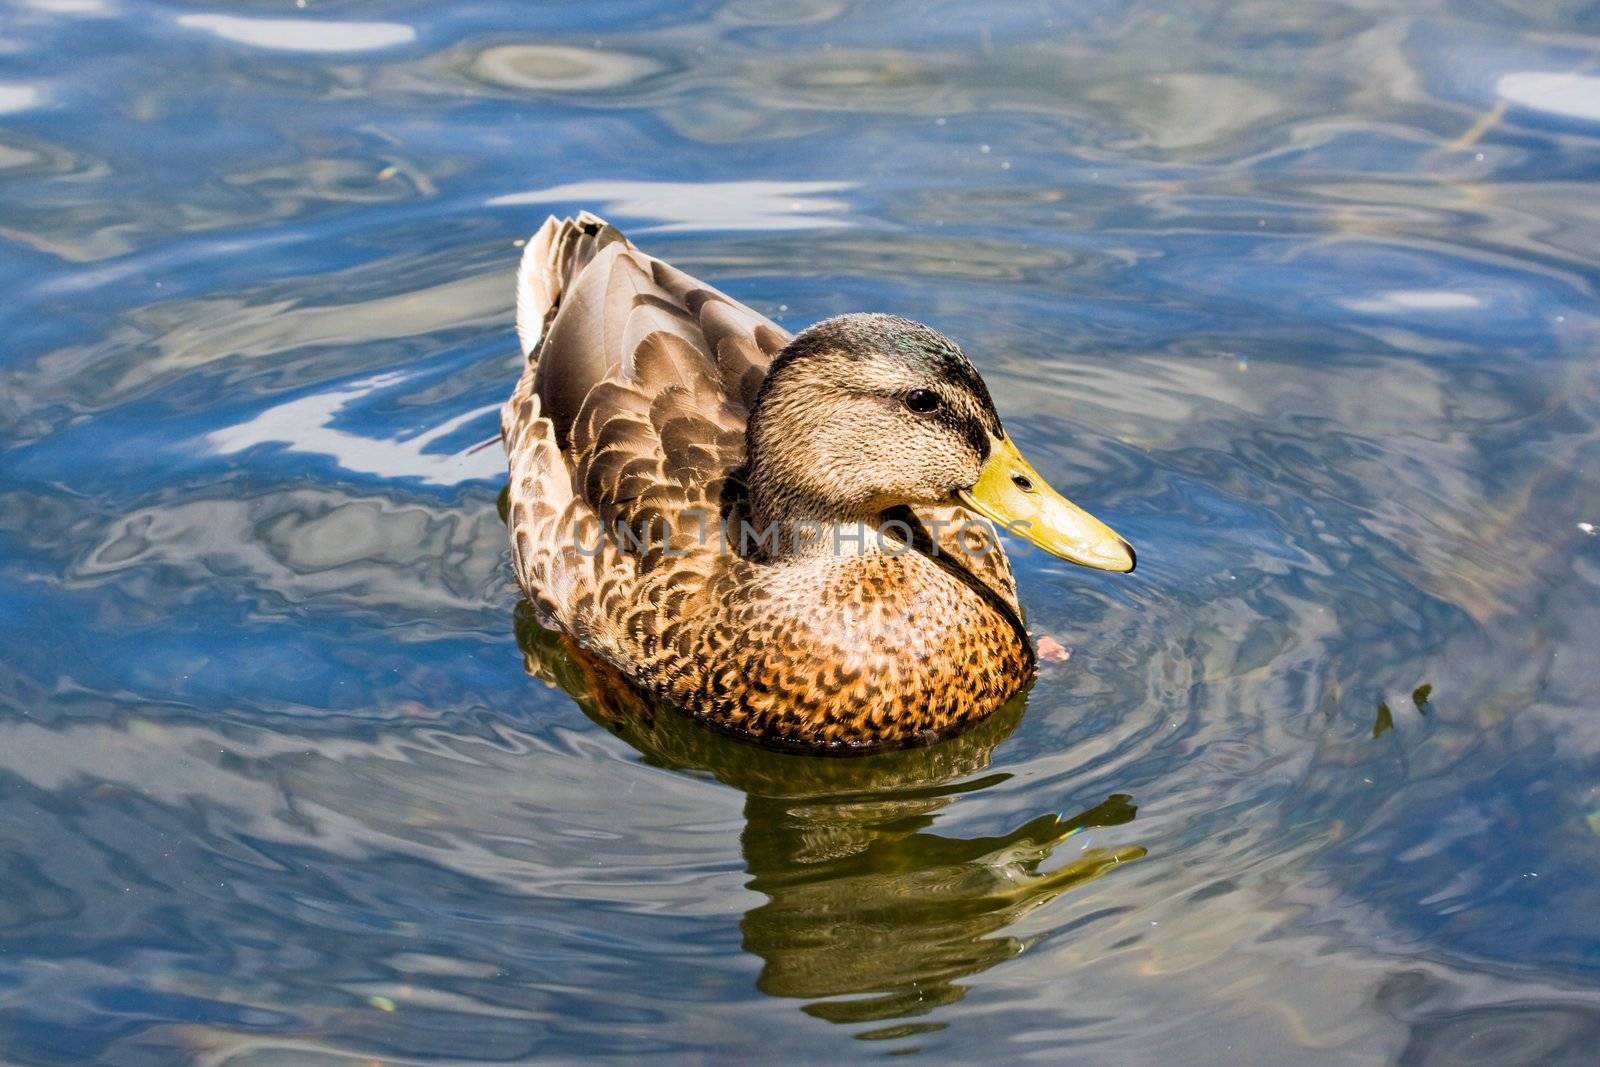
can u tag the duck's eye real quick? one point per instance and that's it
(923, 401)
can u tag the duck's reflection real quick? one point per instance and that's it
(869, 915)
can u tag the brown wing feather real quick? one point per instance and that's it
(659, 433)
(640, 379)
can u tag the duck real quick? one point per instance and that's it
(791, 538)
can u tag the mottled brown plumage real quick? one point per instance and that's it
(659, 423)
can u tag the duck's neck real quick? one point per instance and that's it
(782, 522)
(796, 507)
(806, 493)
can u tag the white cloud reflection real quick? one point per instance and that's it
(1403, 300)
(1572, 95)
(78, 8)
(305, 425)
(739, 205)
(19, 98)
(302, 35)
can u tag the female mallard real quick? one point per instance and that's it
(779, 535)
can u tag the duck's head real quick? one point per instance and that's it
(862, 413)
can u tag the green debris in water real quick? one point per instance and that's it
(1594, 822)
(381, 1003)
(1383, 722)
(1419, 697)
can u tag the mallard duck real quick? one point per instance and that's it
(790, 538)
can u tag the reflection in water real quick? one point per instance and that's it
(1530, 1033)
(1572, 95)
(19, 98)
(863, 901)
(302, 35)
(546, 67)
(697, 206)
(309, 424)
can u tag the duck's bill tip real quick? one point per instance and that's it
(1011, 493)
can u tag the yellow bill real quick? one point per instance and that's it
(1010, 492)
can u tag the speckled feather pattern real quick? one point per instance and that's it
(632, 409)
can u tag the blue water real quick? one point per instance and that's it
(1298, 296)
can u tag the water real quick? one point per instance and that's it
(1300, 297)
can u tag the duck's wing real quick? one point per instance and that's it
(592, 308)
(638, 384)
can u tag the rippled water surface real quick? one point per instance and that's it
(1300, 296)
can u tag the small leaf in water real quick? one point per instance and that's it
(1594, 822)
(1419, 697)
(381, 1003)
(1383, 722)
(1053, 651)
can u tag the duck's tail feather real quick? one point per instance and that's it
(551, 260)
(548, 521)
